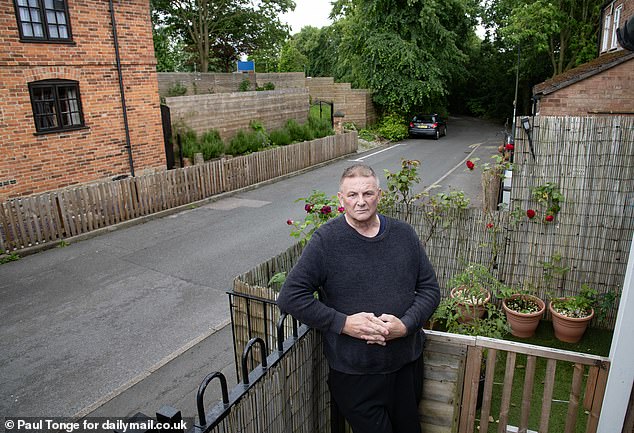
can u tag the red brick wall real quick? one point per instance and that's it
(32, 163)
(611, 91)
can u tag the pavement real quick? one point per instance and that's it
(151, 300)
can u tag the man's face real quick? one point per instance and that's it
(359, 196)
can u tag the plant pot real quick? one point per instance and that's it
(470, 311)
(569, 329)
(523, 325)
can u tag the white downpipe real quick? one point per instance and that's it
(621, 376)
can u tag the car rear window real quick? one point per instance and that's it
(425, 119)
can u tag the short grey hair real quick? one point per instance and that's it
(359, 170)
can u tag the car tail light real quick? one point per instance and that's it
(411, 124)
(435, 125)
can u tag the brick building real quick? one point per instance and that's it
(603, 86)
(62, 118)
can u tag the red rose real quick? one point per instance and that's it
(341, 209)
(470, 165)
(509, 147)
(549, 218)
(530, 213)
(289, 222)
(490, 225)
(326, 210)
(308, 207)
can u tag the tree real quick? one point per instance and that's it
(408, 52)
(219, 31)
(565, 30)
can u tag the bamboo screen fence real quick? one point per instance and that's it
(53, 216)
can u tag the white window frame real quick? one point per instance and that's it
(606, 32)
(615, 25)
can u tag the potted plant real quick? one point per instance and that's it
(523, 311)
(471, 290)
(572, 314)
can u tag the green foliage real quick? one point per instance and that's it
(280, 137)
(189, 142)
(245, 85)
(277, 281)
(211, 145)
(6, 258)
(299, 132)
(392, 127)
(267, 86)
(576, 306)
(320, 127)
(448, 317)
(319, 209)
(291, 59)
(549, 197)
(474, 283)
(246, 142)
(177, 89)
(217, 32)
(400, 187)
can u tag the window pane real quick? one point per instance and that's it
(69, 106)
(51, 17)
(44, 105)
(63, 32)
(48, 4)
(38, 29)
(33, 3)
(52, 32)
(27, 30)
(60, 17)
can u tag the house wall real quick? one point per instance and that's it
(230, 112)
(626, 12)
(611, 92)
(33, 162)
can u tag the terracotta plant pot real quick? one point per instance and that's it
(470, 311)
(523, 325)
(569, 329)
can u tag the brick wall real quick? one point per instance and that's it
(230, 112)
(33, 163)
(356, 104)
(611, 91)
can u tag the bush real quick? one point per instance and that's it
(299, 132)
(177, 89)
(267, 86)
(280, 137)
(320, 127)
(247, 142)
(189, 142)
(393, 127)
(211, 145)
(245, 85)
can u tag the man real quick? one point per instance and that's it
(376, 290)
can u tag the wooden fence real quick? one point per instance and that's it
(53, 216)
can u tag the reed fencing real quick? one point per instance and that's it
(53, 216)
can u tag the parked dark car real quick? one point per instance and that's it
(430, 125)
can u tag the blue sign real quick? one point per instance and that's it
(246, 66)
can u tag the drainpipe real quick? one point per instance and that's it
(128, 145)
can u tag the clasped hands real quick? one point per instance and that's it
(373, 329)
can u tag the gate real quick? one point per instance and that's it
(326, 110)
(166, 120)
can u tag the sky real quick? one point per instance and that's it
(308, 13)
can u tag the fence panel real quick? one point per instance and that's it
(34, 220)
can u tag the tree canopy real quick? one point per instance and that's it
(218, 32)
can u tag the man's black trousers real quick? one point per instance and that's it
(380, 403)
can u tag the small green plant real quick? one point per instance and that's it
(277, 280)
(62, 244)
(6, 258)
(211, 145)
(554, 268)
(267, 86)
(579, 305)
(400, 187)
(549, 198)
(474, 284)
(448, 317)
(319, 209)
(245, 85)
(298, 132)
(280, 137)
(177, 89)
(441, 211)
(392, 127)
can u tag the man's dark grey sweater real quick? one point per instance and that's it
(389, 273)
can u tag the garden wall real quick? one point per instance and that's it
(230, 112)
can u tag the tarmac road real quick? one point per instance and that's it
(134, 318)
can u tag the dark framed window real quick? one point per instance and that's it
(56, 105)
(43, 20)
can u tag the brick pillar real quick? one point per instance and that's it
(338, 117)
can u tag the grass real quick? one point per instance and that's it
(595, 341)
